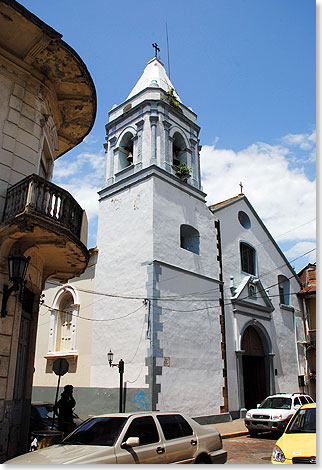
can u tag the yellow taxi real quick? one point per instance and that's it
(298, 443)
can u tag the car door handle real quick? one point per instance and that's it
(193, 442)
(160, 450)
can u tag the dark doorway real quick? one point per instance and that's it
(254, 370)
(18, 436)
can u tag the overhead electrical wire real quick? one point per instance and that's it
(211, 264)
(92, 319)
(174, 298)
(264, 289)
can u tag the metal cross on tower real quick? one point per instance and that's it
(241, 187)
(156, 49)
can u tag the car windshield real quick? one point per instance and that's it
(45, 411)
(277, 402)
(303, 421)
(97, 432)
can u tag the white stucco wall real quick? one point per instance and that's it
(140, 226)
(190, 340)
(281, 326)
(172, 208)
(125, 244)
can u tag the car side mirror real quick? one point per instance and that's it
(131, 442)
(258, 405)
(296, 407)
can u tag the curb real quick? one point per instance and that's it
(234, 434)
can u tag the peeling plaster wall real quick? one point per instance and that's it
(125, 245)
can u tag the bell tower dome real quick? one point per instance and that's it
(152, 127)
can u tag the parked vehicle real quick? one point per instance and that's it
(130, 438)
(274, 412)
(41, 417)
(298, 443)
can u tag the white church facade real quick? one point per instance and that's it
(196, 300)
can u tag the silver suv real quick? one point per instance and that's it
(274, 412)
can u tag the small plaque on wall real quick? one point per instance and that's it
(166, 361)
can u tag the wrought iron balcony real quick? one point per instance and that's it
(40, 197)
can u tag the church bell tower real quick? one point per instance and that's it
(152, 127)
(156, 242)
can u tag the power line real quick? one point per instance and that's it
(92, 319)
(175, 298)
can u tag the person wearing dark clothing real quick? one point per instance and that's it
(64, 409)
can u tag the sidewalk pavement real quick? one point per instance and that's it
(233, 428)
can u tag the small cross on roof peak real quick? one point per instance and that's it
(156, 49)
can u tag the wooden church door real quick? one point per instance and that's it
(254, 370)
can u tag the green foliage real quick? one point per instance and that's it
(183, 172)
(172, 99)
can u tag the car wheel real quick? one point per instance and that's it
(253, 433)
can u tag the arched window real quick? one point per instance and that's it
(284, 289)
(63, 323)
(179, 150)
(189, 238)
(247, 258)
(126, 151)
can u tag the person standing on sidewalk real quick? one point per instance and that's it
(64, 409)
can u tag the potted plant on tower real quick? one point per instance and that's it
(183, 172)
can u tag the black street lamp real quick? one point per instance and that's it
(120, 365)
(17, 267)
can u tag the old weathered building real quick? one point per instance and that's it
(307, 296)
(47, 107)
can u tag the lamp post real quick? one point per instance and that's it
(120, 365)
(17, 267)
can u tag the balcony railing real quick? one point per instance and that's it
(40, 197)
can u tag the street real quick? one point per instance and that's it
(250, 450)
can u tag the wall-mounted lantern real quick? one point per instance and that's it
(17, 267)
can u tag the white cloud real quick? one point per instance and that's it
(90, 139)
(303, 141)
(82, 176)
(86, 196)
(300, 248)
(282, 196)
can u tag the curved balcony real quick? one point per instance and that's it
(39, 213)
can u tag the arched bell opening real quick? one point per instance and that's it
(126, 151)
(179, 150)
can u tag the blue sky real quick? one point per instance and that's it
(246, 67)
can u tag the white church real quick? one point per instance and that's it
(199, 302)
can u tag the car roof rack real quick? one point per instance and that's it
(298, 393)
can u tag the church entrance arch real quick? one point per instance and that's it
(256, 373)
